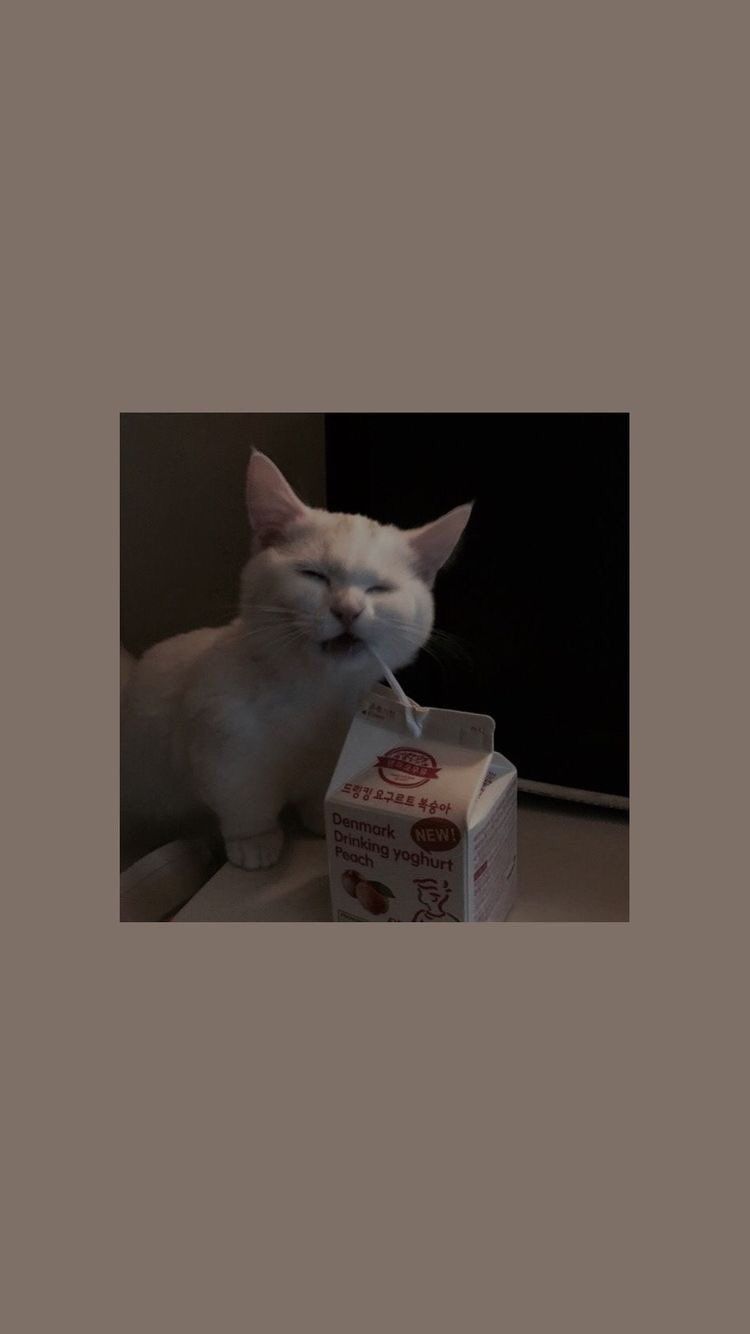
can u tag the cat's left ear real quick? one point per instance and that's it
(436, 541)
(271, 503)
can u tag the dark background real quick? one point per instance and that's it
(538, 596)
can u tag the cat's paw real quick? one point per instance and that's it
(257, 852)
(312, 815)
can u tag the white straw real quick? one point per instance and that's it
(413, 721)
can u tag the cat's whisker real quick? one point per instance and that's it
(435, 656)
(277, 607)
(444, 637)
(275, 638)
(441, 646)
(303, 619)
(286, 635)
(456, 652)
(273, 619)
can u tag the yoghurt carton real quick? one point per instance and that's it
(421, 829)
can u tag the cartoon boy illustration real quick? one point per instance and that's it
(433, 897)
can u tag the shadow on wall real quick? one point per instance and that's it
(183, 525)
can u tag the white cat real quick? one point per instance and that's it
(247, 719)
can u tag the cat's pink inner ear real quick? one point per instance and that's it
(272, 505)
(436, 541)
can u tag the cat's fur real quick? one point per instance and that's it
(244, 720)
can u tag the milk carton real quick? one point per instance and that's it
(421, 829)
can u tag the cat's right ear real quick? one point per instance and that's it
(271, 503)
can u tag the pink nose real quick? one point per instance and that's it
(346, 611)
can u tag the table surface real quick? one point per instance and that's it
(572, 859)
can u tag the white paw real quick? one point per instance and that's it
(252, 854)
(313, 818)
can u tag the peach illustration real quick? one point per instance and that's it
(350, 880)
(371, 898)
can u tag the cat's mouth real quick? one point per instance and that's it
(342, 646)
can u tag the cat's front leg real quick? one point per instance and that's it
(250, 827)
(247, 806)
(254, 852)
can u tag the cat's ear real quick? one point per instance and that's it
(271, 503)
(436, 541)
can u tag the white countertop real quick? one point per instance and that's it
(573, 867)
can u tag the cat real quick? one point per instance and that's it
(242, 721)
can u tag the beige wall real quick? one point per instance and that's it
(183, 523)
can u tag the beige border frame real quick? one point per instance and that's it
(441, 207)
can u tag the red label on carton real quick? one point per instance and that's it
(405, 767)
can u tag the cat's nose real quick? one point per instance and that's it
(346, 608)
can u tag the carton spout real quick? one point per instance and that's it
(414, 715)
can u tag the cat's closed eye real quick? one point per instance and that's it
(381, 588)
(315, 574)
